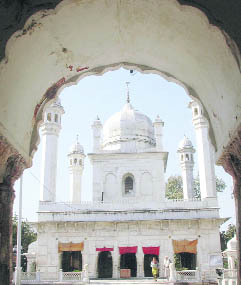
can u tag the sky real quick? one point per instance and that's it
(103, 96)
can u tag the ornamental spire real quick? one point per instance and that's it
(128, 94)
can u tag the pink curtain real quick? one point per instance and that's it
(127, 249)
(151, 250)
(104, 249)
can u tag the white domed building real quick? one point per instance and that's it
(129, 220)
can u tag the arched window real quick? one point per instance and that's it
(182, 157)
(187, 157)
(191, 157)
(75, 161)
(56, 118)
(49, 117)
(80, 162)
(129, 184)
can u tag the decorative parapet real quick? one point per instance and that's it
(96, 211)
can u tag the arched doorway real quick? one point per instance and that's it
(128, 261)
(147, 264)
(105, 266)
(186, 260)
(71, 261)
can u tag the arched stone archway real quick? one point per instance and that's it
(57, 48)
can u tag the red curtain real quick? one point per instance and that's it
(104, 249)
(151, 250)
(127, 249)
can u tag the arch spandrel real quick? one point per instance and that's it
(76, 39)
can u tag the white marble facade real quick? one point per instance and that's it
(129, 207)
(129, 233)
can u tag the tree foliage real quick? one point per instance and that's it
(220, 186)
(27, 236)
(225, 236)
(174, 187)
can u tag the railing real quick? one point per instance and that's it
(72, 276)
(229, 274)
(126, 204)
(224, 274)
(209, 275)
(29, 277)
(49, 276)
(187, 275)
(60, 276)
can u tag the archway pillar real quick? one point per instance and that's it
(140, 262)
(231, 161)
(116, 263)
(11, 167)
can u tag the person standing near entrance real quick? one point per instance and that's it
(154, 266)
(166, 264)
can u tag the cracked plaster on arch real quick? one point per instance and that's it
(99, 71)
(182, 7)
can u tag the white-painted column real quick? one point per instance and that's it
(186, 151)
(49, 167)
(50, 130)
(75, 185)
(97, 135)
(140, 262)
(60, 260)
(231, 262)
(158, 129)
(116, 258)
(205, 152)
(76, 158)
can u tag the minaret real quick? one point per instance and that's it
(50, 132)
(205, 152)
(97, 134)
(186, 151)
(158, 126)
(76, 158)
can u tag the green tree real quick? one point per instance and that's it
(174, 187)
(27, 236)
(225, 236)
(220, 186)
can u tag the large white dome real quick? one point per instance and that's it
(128, 131)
